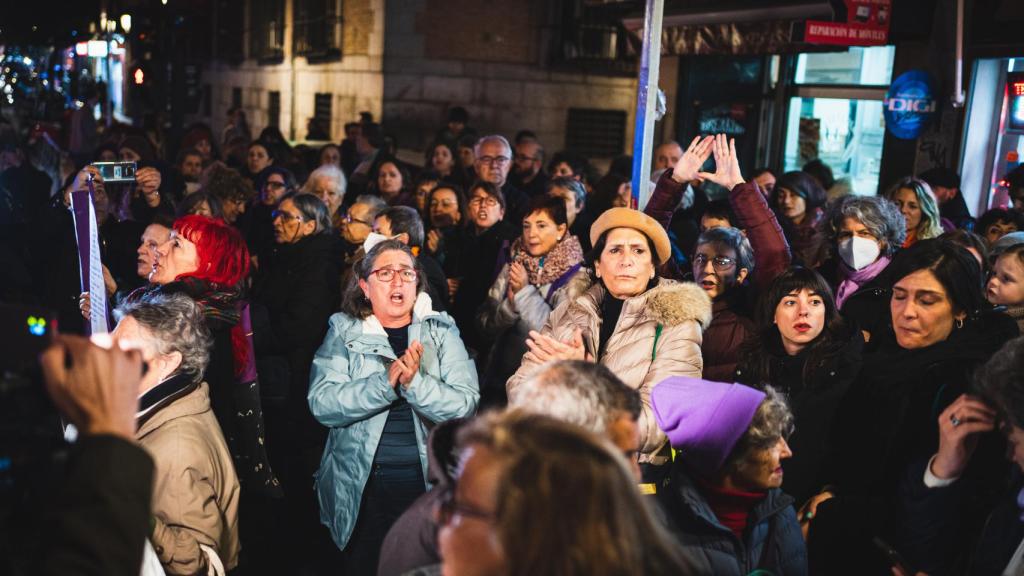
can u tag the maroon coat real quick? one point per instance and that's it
(731, 323)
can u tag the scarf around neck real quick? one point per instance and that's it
(852, 279)
(542, 270)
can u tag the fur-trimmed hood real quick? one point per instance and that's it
(669, 303)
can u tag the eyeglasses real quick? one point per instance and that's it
(447, 508)
(719, 263)
(488, 201)
(284, 216)
(385, 275)
(442, 203)
(349, 219)
(275, 185)
(495, 160)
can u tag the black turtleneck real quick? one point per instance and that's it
(611, 308)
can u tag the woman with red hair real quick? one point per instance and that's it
(207, 259)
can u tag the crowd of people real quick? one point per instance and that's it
(495, 363)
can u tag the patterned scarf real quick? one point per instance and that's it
(219, 302)
(546, 269)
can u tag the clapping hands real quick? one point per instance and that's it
(406, 366)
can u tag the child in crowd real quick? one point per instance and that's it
(1006, 285)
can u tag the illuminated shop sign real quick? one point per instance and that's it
(909, 104)
(1015, 101)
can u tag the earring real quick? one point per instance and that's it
(959, 323)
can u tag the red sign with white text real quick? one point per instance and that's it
(867, 24)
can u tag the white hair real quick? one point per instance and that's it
(492, 138)
(328, 172)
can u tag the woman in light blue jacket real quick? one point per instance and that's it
(389, 369)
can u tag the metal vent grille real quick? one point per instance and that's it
(595, 133)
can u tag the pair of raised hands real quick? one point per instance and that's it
(727, 166)
(406, 366)
(147, 181)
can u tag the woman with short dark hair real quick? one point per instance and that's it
(528, 287)
(941, 328)
(483, 250)
(804, 349)
(390, 180)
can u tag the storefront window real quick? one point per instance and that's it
(835, 114)
(859, 66)
(845, 134)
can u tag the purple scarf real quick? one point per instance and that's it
(852, 280)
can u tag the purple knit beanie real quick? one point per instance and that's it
(704, 419)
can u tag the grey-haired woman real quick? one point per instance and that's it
(862, 234)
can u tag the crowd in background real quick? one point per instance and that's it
(492, 362)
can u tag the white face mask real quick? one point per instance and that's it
(858, 252)
(372, 239)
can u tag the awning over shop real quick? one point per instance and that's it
(739, 28)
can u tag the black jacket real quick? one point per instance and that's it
(887, 423)
(937, 517)
(437, 283)
(480, 256)
(955, 210)
(814, 393)
(772, 540)
(295, 293)
(101, 517)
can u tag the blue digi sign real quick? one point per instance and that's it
(909, 104)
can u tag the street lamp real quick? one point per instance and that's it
(126, 23)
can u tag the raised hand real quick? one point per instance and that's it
(697, 153)
(148, 181)
(960, 425)
(544, 348)
(727, 165)
(81, 182)
(433, 241)
(517, 277)
(409, 363)
(99, 392)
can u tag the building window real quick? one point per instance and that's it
(321, 124)
(835, 114)
(274, 109)
(595, 133)
(590, 37)
(266, 31)
(236, 97)
(318, 30)
(230, 32)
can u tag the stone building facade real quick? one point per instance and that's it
(408, 61)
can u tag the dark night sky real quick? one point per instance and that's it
(53, 20)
